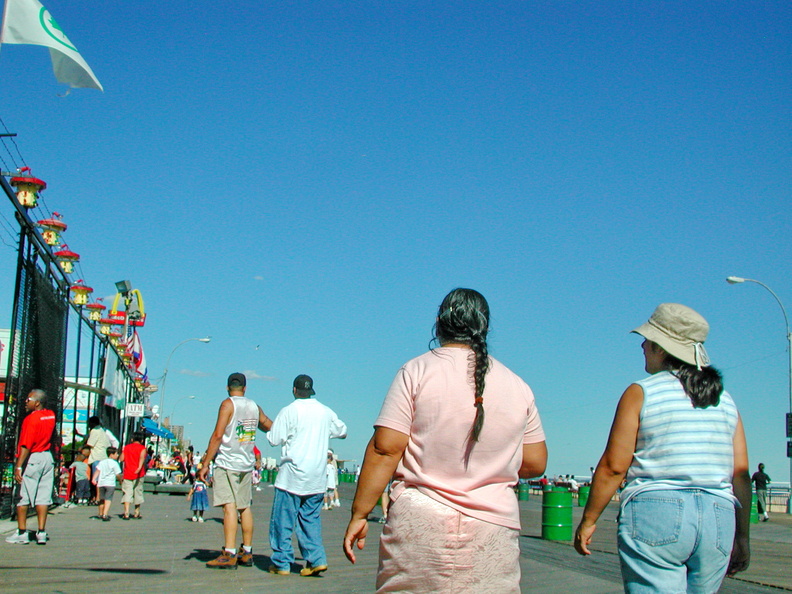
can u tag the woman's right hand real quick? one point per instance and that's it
(356, 533)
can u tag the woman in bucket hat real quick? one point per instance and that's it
(678, 439)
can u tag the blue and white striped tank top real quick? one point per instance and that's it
(679, 446)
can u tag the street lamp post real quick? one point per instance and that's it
(173, 411)
(734, 280)
(165, 376)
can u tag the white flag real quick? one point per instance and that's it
(28, 22)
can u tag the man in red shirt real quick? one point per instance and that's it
(35, 459)
(134, 462)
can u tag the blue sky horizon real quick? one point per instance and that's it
(304, 182)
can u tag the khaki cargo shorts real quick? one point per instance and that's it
(230, 486)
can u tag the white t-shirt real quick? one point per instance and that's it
(303, 429)
(108, 469)
(332, 477)
(99, 443)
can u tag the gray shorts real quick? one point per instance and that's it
(230, 486)
(106, 493)
(37, 480)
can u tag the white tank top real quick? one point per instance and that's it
(236, 447)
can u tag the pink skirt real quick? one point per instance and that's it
(429, 547)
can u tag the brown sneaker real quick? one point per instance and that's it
(224, 561)
(309, 570)
(278, 571)
(244, 558)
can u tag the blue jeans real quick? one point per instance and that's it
(675, 541)
(304, 510)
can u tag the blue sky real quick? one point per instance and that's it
(313, 177)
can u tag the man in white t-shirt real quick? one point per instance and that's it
(303, 430)
(233, 441)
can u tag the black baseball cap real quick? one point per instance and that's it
(237, 380)
(304, 383)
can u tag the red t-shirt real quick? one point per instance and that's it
(37, 431)
(132, 453)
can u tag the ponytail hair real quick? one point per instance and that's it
(463, 317)
(703, 386)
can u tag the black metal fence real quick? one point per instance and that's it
(38, 348)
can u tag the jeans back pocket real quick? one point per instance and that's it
(656, 520)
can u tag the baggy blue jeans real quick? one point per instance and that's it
(304, 511)
(675, 541)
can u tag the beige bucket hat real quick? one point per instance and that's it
(680, 331)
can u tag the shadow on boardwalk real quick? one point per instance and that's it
(165, 551)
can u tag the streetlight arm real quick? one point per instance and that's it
(736, 279)
(165, 375)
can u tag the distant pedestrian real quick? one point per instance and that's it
(34, 469)
(232, 441)
(82, 478)
(256, 476)
(199, 500)
(98, 440)
(302, 429)
(332, 484)
(134, 463)
(761, 480)
(106, 475)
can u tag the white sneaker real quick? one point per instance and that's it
(41, 537)
(200, 520)
(195, 518)
(17, 538)
(325, 507)
(337, 503)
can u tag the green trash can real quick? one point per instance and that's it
(583, 495)
(523, 491)
(264, 475)
(557, 515)
(547, 487)
(754, 509)
(273, 475)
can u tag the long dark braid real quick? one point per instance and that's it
(463, 317)
(480, 368)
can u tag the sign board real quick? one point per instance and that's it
(135, 409)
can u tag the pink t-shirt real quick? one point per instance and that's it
(432, 400)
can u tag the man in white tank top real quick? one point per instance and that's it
(232, 442)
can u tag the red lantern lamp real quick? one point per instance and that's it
(51, 230)
(27, 188)
(115, 337)
(67, 258)
(95, 312)
(81, 292)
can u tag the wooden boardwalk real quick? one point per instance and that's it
(165, 552)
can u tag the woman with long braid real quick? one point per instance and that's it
(455, 432)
